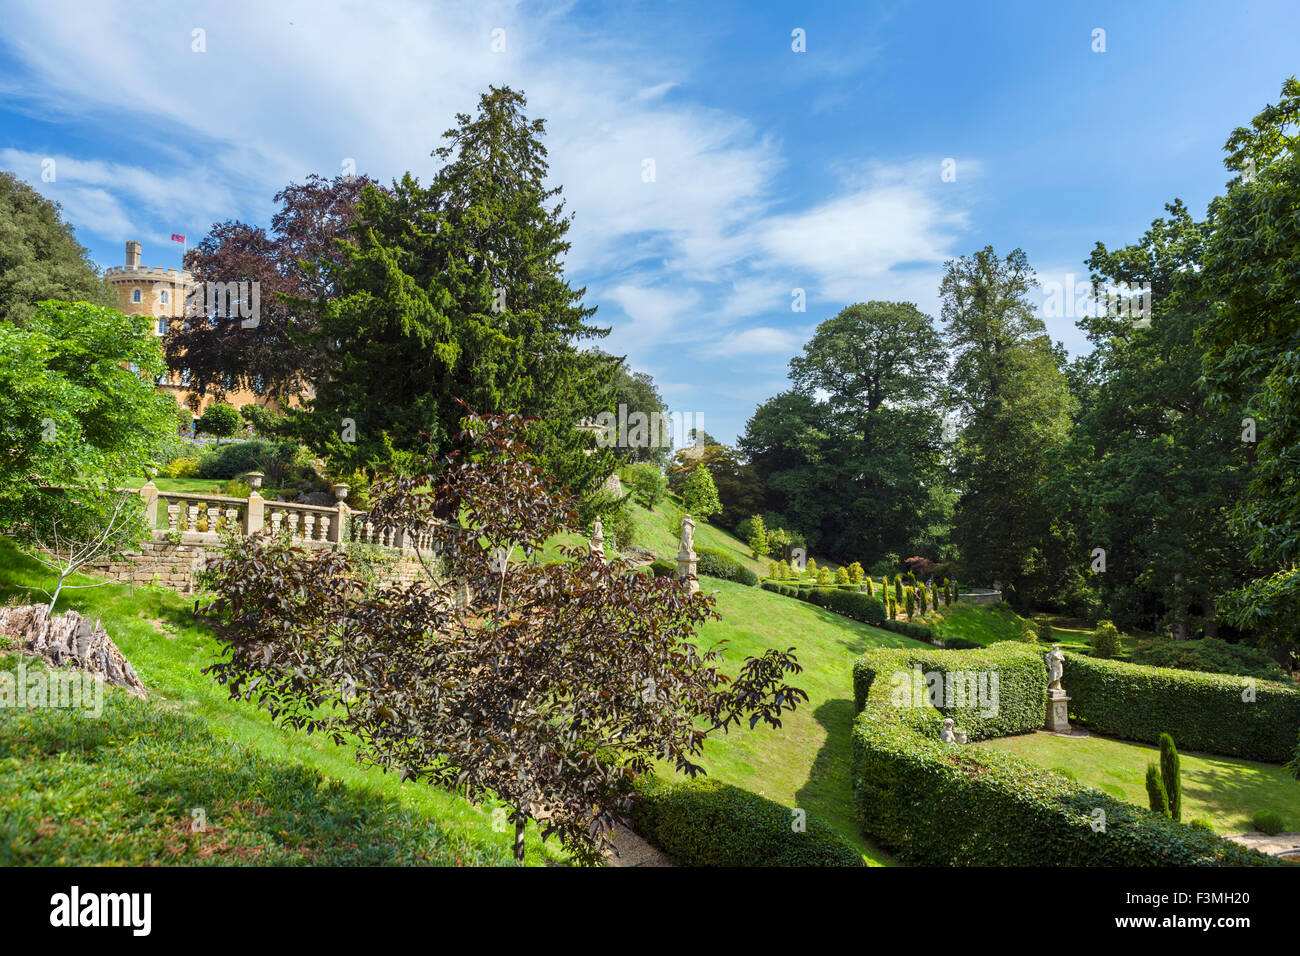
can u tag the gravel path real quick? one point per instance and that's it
(634, 851)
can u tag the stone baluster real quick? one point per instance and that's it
(277, 516)
(192, 518)
(173, 516)
(231, 516)
(325, 528)
(309, 526)
(213, 513)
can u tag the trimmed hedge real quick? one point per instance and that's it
(846, 600)
(718, 564)
(663, 569)
(920, 632)
(1209, 655)
(705, 822)
(1201, 711)
(947, 804)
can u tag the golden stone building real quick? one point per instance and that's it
(160, 293)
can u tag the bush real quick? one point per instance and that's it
(663, 569)
(1157, 796)
(842, 578)
(960, 644)
(236, 489)
(1028, 632)
(708, 823)
(182, 468)
(620, 527)
(941, 804)
(220, 421)
(823, 577)
(852, 604)
(1209, 654)
(1044, 628)
(1170, 774)
(718, 564)
(1201, 823)
(1105, 640)
(234, 460)
(1268, 821)
(1215, 713)
(856, 574)
(919, 632)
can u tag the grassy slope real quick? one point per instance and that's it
(1223, 790)
(156, 631)
(806, 763)
(988, 623)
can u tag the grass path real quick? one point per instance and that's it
(807, 762)
(1223, 790)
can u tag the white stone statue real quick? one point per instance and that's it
(688, 535)
(1055, 668)
(946, 734)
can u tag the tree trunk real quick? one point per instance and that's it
(1211, 622)
(520, 823)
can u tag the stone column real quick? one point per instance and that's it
(339, 526)
(254, 513)
(149, 498)
(686, 557)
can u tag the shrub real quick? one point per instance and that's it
(1157, 796)
(885, 567)
(236, 489)
(1028, 632)
(856, 573)
(871, 587)
(911, 602)
(910, 629)
(893, 608)
(220, 421)
(718, 564)
(234, 460)
(823, 577)
(772, 586)
(1105, 640)
(700, 494)
(853, 604)
(938, 804)
(705, 822)
(1201, 823)
(620, 527)
(960, 644)
(947, 593)
(898, 589)
(1268, 821)
(842, 577)
(1209, 654)
(1169, 773)
(757, 538)
(182, 468)
(663, 569)
(811, 566)
(922, 598)
(1215, 713)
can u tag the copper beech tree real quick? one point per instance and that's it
(543, 685)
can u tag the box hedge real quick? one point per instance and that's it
(705, 822)
(718, 564)
(848, 601)
(942, 804)
(1214, 713)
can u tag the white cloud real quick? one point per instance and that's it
(758, 341)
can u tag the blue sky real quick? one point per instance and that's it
(774, 170)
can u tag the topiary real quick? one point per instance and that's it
(1268, 821)
(856, 573)
(823, 576)
(1169, 774)
(811, 566)
(1156, 795)
(1044, 628)
(898, 588)
(1203, 824)
(1105, 640)
(922, 599)
(911, 603)
(842, 576)
(871, 588)
(1028, 633)
(893, 608)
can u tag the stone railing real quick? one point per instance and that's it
(190, 518)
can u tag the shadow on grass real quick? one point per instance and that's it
(828, 791)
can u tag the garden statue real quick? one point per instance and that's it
(686, 557)
(1058, 704)
(946, 734)
(1055, 668)
(597, 543)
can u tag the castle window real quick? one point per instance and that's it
(185, 376)
(164, 297)
(162, 325)
(259, 384)
(137, 295)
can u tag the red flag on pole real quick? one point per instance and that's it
(176, 237)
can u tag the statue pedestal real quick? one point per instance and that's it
(1058, 712)
(686, 562)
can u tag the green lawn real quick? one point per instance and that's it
(156, 631)
(989, 623)
(806, 763)
(1223, 790)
